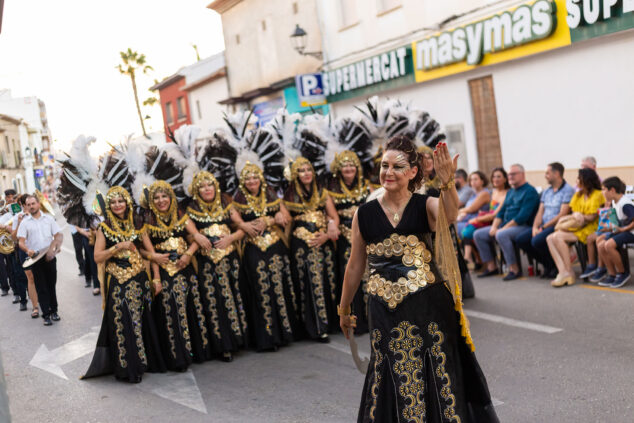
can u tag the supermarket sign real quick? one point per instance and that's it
(524, 30)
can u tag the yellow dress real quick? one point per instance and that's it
(590, 205)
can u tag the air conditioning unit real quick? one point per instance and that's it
(456, 144)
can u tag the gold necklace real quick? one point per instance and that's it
(396, 216)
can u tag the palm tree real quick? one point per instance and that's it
(134, 62)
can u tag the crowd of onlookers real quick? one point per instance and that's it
(505, 212)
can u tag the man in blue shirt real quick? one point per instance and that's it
(514, 216)
(553, 205)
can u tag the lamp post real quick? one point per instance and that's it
(298, 41)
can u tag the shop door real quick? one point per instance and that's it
(486, 123)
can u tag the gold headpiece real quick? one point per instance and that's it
(297, 163)
(194, 188)
(423, 149)
(163, 186)
(248, 170)
(344, 157)
(123, 228)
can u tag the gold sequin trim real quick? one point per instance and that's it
(407, 344)
(304, 234)
(193, 286)
(176, 244)
(124, 274)
(222, 271)
(378, 362)
(217, 254)
(316, 217)
(445, 392)
(415, 255)
(263, 242)
(210, 294)
(264, 296)
(118, 326)
(276, 267)
(134, 299)
(179, 291)
(315, 267)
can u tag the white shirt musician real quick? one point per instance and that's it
(40, 232)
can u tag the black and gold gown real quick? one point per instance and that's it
(178, 309)
(265, 272)
(422, 366)
(218, 278)
(347, 200)
(128, 342)
(313, 268)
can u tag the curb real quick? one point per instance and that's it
(5, 414)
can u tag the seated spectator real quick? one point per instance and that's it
(618, 275)
(514, 216)
(553, 205)
(582, 222)
(465, 192)
(588, 162)
(500, 182)
(478, 203)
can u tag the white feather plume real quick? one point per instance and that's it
(284, 126)
(245, 155)
(184, 151)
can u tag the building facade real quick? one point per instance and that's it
(174, 103)
(510, 82)
(261, 60)
(36, 146)
(13, 133)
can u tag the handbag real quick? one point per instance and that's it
(479, 225)
(568, 223)
(608, 221)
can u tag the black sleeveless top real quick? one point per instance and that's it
(399, 258)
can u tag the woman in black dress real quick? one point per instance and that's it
(178, 309)
(219, 267)
(348, 190)
(265, 265)
(422, 366)
(315, 226)
(128, 343)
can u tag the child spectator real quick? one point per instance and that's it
(618, 275)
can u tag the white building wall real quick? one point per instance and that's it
(204, 100)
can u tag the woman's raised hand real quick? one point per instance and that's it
(444, 165)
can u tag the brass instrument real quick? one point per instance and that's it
(45, 205)
(7, 245)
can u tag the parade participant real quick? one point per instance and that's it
(35, 312)
(88, 236)
(78, 245)
(422, 366)
(40, 232)
(348, 190)
(7, 279)
(128, 343)
(315, 226)
(265, 264)
(178, 310)
(218, 267)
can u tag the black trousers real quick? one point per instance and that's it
(45, 276)
(78, 244)
(90, 267)
(4, 273)
(19, 277)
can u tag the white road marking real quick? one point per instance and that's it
(67, 250)
(180, 388)
(51, 361)
(513, 322)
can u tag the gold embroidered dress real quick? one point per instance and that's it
(265, 273)
(347, 200)
(128, 343)
(422, 366)
(218, 275)
(178, 308)
(313, 268)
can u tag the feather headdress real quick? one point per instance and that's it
(183, 151)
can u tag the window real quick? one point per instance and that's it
(295, 8)
(237, 38)
(200, 116)
(384, 6)
(348, 12)
(180, 106)
(168, 113)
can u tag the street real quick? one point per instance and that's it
(550, 355)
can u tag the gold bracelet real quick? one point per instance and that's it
(187, 254)
(113, 249)
(156, 281)
(344, 311)
(449, 185)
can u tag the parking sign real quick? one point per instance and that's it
(310, 89)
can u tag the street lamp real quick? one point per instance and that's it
(298, 40)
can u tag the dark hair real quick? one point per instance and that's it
(557, 167)
(485, 180)
(22, 199)
(461, 173)
(614, 182)
(10, 192)
(589, 180)
(31, 196)
(507, 186)
(405, 145)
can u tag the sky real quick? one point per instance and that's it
(65, 52)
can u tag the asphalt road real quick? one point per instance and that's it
(549, 355)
